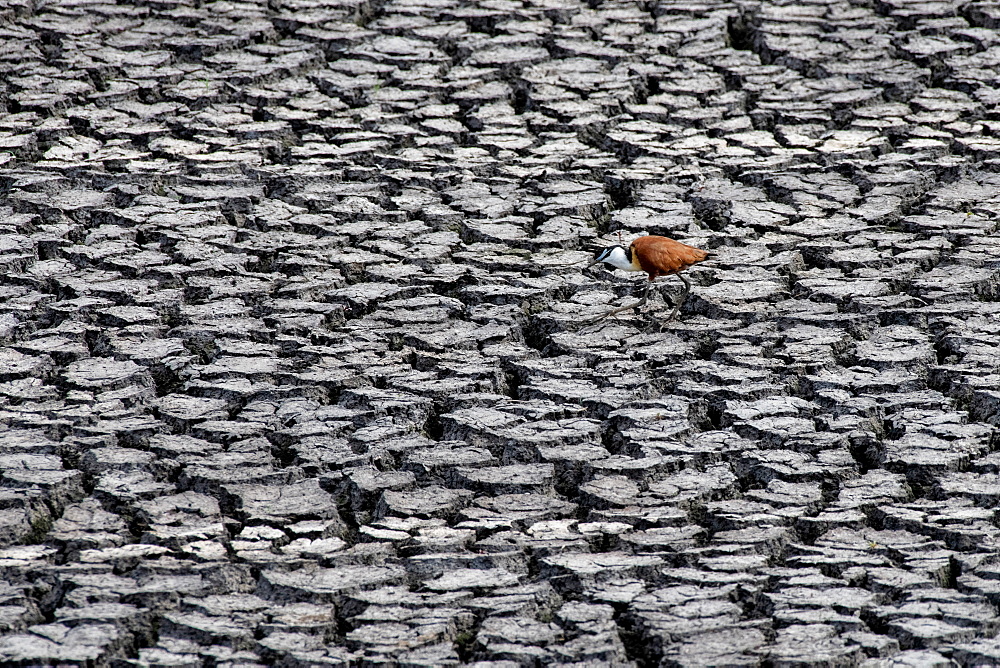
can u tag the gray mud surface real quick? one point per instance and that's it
(291, 373)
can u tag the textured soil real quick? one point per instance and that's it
(294, 368)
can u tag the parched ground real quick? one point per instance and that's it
(293, 372)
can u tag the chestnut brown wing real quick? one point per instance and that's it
(660, 256)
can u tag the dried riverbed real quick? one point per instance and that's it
(290, 374)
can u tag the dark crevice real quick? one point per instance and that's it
(741, 31)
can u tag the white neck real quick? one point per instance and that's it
(618, 258)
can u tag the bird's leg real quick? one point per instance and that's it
(645, 296)
(687, 289)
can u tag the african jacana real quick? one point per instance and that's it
(657, 256)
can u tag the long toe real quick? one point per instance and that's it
(592, 321)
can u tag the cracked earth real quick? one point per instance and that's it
(293, 372)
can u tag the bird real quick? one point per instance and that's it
(655, 255)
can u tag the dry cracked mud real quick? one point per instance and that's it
(293, 372)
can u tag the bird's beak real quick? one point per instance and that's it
(592, 263)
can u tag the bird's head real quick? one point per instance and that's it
(615, 255)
